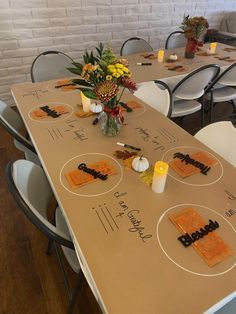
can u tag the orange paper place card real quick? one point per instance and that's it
(186, 165)
(133, 104)
(77, 178)
(210, 246)
(41, 114)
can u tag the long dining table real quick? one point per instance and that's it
(121, 229)
(224, 56)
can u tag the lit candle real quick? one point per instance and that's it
(160, 55)
(159, 176)
(86, 102)
(213, 47)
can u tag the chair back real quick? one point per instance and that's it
(227, 77)
(228, 23)
(221, 138)
(175, 40)
(157, 95)
(24, 179)
(12, 123)
(50, 65)
(193, 85)
(135, 45)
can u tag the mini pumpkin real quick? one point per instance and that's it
(96, 108)
(173, 57)
(140, 164)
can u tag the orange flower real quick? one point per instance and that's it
(88, 68)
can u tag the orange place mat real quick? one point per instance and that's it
(150, 56)
(77, 178)
(40, 114)
(64, 85)
(177, 68)
(227, 59)
(133, 104)
(211, 247)
(82, 114)
(205, 54)
(229, 49)
(186, 170)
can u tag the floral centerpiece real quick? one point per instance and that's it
(104, 78)
(193, 29)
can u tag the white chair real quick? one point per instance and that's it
(157, 95)
(135, 45)
(175, 40)
(24, 179)
(227, 28)
(13, 124)
(221, 138)
(223, 89)
(189, 91)
(51, 65)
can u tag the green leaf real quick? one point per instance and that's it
(88, 93)
(78, 65)
(81, 82)
(75, 71)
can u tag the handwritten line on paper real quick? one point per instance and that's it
(36, 93)
(101, 221)
(167, 132)
(59, 132)
(55, 133)
(107, 219)
(167, 135)
(49, 131)
(111, 217)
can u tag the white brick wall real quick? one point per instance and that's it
(29, 27)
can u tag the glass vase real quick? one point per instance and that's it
(190, 48)
(110, 124)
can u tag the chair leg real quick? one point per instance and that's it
(75, 292)
(202, 101)
(211, 107)
(50, 247)
(66, 282)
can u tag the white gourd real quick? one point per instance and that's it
(96, 108)
(140, 164)
(173, 57)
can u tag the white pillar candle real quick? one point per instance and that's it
(160, 55)
(213, 47)
(86, 102)
(159, 176)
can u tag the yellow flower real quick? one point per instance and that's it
(95, 67)
(112, 70)
(108, 77)
(119, 65)
(125, 69)
(111, 66)
(116, 74)
(120, 71)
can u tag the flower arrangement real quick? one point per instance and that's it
(104, 78)
(193, 29)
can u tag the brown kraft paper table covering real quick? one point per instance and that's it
(134, 256)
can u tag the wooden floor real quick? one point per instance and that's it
(31, 281)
